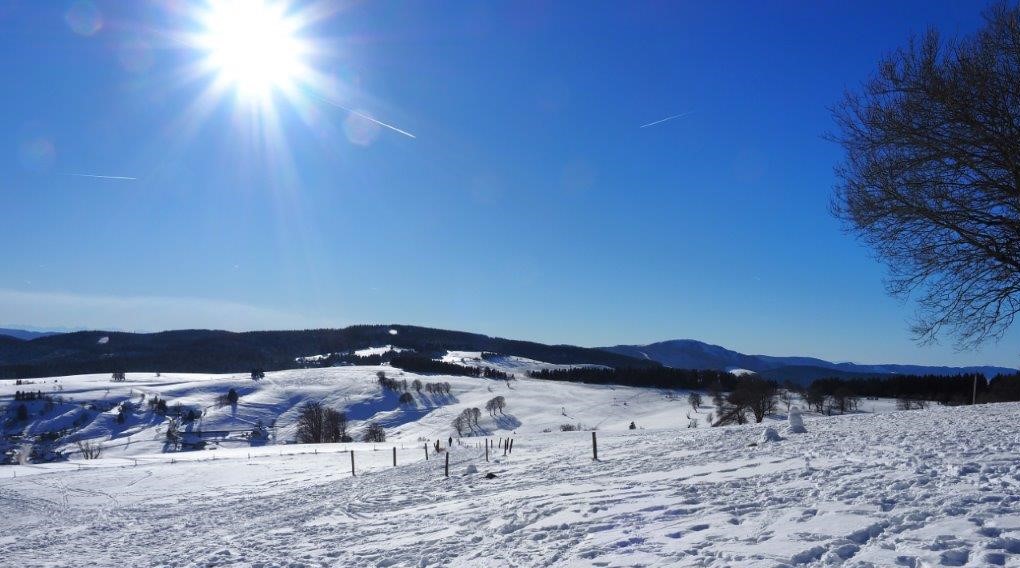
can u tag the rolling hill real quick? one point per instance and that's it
(692, 354)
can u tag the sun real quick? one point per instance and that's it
(252, 45)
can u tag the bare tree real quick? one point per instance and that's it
(755, 394)
(406, 398)
(334, 426)
(458, 424)
(310, 423)
(931, 176)
(844, 400)
(815, 398)
(375, 433)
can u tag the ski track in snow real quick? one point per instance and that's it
(937, 487)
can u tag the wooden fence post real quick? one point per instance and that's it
(352, 463)
(426, 451)
(486, 449)
(394, 456)
(594, 447)
(511, 445)
(447, 470)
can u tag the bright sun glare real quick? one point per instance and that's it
(252, 45)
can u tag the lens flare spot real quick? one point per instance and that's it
(37, 154)
(135, 55)
(84, 18)
(360, 129)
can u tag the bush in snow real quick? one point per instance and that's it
(89, 450)
(119, 377)
(694, 399)
(575, 427)
(407, 398)
(375, 433)
(796, 422)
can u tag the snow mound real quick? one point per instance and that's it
(796, 422)
(769, 434)
(470, 469)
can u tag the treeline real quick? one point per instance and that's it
(207, 351)
(945, 390)
(655, 377)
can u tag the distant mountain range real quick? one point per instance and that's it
(25, 334)
(25, 354)
(692, 354)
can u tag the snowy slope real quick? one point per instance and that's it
(90, 404)
(938, 487)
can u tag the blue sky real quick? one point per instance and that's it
(530, 203)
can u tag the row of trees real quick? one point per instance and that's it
(403, 386)
(468, 418)
(29, 395)
(945, 390)
(655, 377)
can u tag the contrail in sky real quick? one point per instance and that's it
(97, 176)
(365, 116)
(681, 115)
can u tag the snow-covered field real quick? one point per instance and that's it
(879, 488)
(90, 404)
(937, 487)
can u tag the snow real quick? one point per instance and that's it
(740, 372)
(769, 434)
(380, 350)
(512, 364)
(90, 403)
(935, 487)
